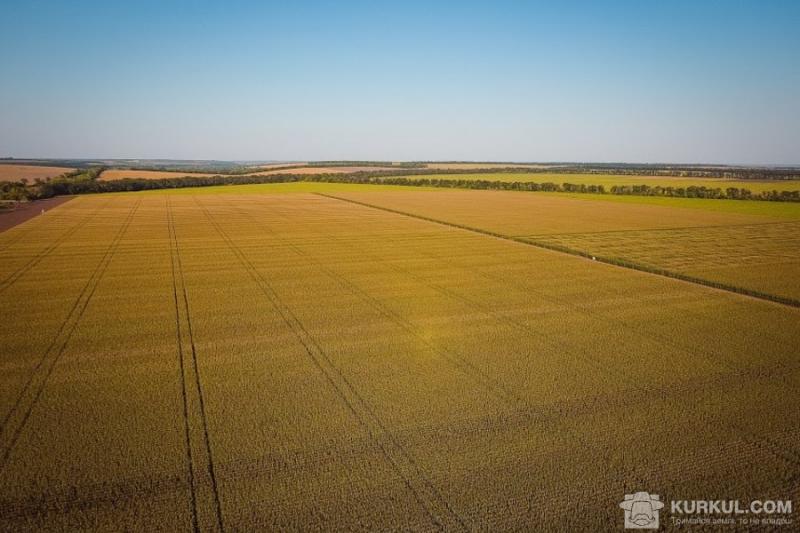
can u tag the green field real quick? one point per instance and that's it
(609, 180)
(254, 361)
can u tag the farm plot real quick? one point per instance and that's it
(521, 214)
(761, 257)
(30, 172)
(116, 174)
(752, 252)
(300, 362)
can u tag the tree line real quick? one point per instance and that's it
(86, 181)
(692, 191)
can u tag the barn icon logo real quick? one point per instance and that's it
(641, 510)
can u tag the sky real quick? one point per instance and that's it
(624, 81)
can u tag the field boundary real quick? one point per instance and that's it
(791, 302)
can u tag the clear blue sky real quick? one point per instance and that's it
(639, 81)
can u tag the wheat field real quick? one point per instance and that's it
(248, 361)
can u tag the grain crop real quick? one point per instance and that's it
(248, 361)
(752, 252)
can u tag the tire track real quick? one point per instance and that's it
(423, 490)
(206, 505)
(36, 259)
(190, 462)
(16, 420)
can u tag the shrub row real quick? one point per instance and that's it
(86, 181)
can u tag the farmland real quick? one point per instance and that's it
(30, 172)
(753, 252)
(609, 180)
(477, 165)
(116, 174)
(231, 358)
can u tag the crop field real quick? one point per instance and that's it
(29, 172)
(758, 253)
(763, 257)
(117, 174)
(478, 165)
(609, 180)
(255, 361)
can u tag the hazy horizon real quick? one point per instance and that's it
(299, 161)
(628, 82)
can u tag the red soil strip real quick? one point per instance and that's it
(24, 211)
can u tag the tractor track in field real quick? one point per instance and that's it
(424, 491)
(200, 475)
(190, 462)
(44, 367)
(14, 276)
(616, 262)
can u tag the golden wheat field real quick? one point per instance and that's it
(252, 361)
